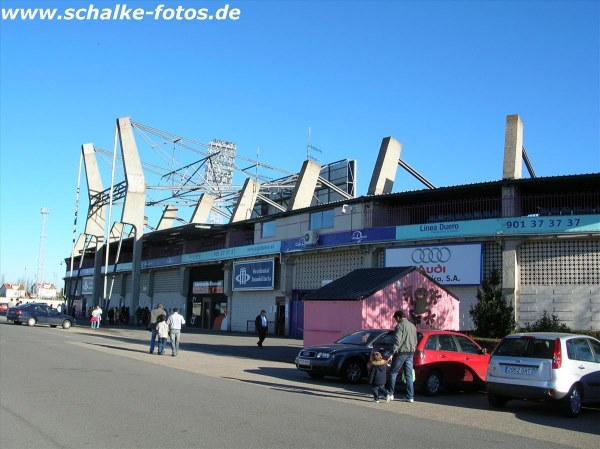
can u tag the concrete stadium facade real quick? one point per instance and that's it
(541, 234)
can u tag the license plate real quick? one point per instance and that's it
(518, 370)
(303, 362)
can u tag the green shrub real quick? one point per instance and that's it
(547, 323)
(487, 343)
(492, 316)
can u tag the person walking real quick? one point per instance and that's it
(162, 330)
(175, 322)
(158, 311)
(94, 317)
(378, 376)
(262, 326)
(405, 343)
(99, 315)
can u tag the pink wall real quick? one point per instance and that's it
(423, 301)
(328, 321)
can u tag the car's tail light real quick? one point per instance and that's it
(557, 357)
(17, 312)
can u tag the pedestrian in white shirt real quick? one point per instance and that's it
(175, 322)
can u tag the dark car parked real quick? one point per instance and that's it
(442, 359)
(346, 358)
(32, 314)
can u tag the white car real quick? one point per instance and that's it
(545, 366)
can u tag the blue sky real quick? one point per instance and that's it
(440, 76)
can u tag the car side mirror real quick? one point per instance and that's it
(484, 351)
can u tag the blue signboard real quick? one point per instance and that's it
(254, 275)
(551, 224)
(355, 237)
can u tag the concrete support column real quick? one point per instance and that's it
(94, 224)
(167, 218)
(98, 290)
(510, 273)
(245, 204)
(513, 164)
(513, 148)
(369, 257)
(305, 186)
(135, 200)
(228, 291)
(286, 285)
(386, 166)
(203, 208)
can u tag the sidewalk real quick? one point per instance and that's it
(234, 344)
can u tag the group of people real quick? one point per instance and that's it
(115, 315)
(118, 315)
(382, 382)
(405, 344)
(163, 328)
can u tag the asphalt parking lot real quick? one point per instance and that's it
(235, 357)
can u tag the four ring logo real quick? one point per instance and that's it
(431, 255)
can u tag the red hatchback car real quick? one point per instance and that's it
(443, 359)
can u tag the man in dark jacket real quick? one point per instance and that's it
(405, 344)
(262, 326)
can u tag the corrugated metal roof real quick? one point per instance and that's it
(359, 284)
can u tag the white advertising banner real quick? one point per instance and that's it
(447, 264)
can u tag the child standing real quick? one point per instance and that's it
(378, 376)
(162, 330)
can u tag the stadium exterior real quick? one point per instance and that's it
(541, 234)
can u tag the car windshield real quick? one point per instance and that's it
(359, 338)
(538, 348)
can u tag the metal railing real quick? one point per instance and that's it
(483, 208)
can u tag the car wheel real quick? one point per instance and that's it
(66, 324)
(16, 322)
(31, 321)
(433, 383)
(316, 375)
(497, 401)
(571, 404)
(352, 371)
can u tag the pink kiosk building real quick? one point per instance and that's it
(367, 298)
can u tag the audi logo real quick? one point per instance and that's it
(431, 255)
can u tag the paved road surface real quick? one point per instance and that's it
(84, 388)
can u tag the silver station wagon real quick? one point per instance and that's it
(562, 368)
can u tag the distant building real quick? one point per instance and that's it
(12, 291)
(41, 290)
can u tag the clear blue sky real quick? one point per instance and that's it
(438, 76)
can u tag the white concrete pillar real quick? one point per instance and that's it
(513, 148)
(384, 173)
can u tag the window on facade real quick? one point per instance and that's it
(322, 219)
(268, 229)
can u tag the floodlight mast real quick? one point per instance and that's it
(42, 250)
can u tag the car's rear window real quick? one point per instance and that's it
(537, 348)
